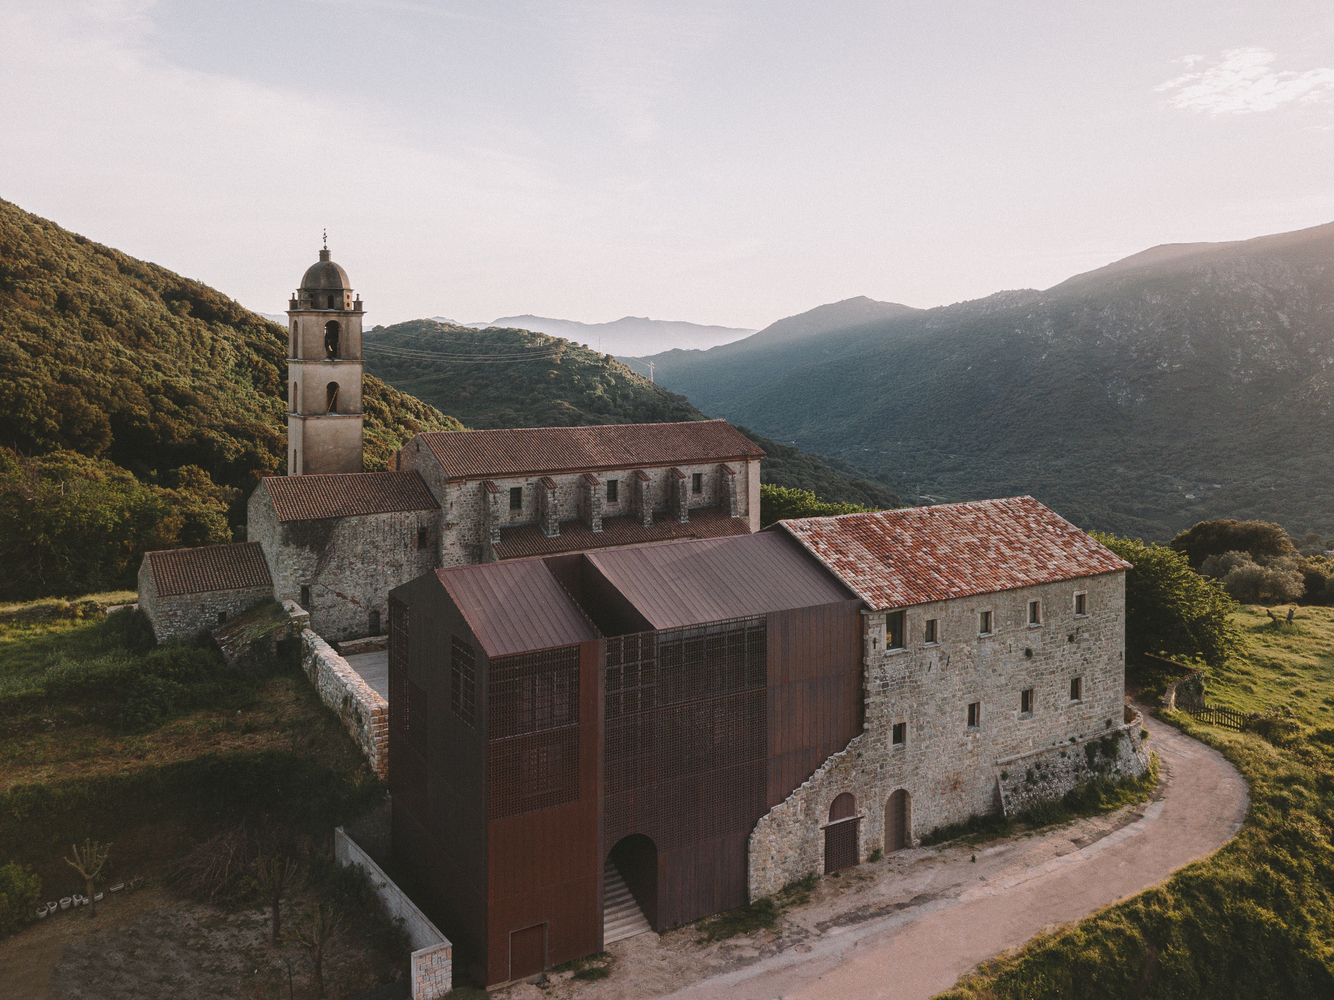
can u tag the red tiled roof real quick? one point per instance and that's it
(213, 567)
(575, 536)
(542, 450)
(674, 584)
(516, 607)
(895, 558)
(308, 498)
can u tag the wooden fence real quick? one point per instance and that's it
(1226, 717)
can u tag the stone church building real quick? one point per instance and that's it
(336, 539)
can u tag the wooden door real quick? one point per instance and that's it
(840, 836)
(896, 822)
(528, 951)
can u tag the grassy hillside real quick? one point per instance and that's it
(1257, 918)
(1180, 385)
(120, 377)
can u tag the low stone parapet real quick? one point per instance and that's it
(1050, 772)
(363, 712)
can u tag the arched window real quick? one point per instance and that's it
(294, 398)
(331, 395)
(331, 340)
(331, 301)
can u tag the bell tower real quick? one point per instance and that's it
(324, 373)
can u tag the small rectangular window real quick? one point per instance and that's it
(900, 734)
(974, 714)
(1034, 613)
(984, 623)
(516, 498)
(1076, 688)
(697, 483)
(421, 538)
(462, 680)
(222, 618)
(929, 633)
(1081, 603)
(1026, 701)
(305, 598)
(613, 490)
(894, 630)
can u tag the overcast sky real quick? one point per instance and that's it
(721, 163)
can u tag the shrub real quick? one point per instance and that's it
(20, 894)
(778, 503)
(1265, 580)
(130, 630)
(149, 701)
(1258, 539)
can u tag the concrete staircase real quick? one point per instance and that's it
(621, 915)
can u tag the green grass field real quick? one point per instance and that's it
(1257, 918)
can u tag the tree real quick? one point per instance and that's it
(88, 863)
(779, 503)
(1170, 609)
(1258, 581)
(273, 878)
(314, 933)
(1261, 539)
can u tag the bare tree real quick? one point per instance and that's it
(314, 933)
(88, 862)
(273, 878)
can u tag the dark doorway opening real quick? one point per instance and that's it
(331, 394)
(331, 340)
(840, 836)
(896, 822)
(375, 623)
(636, 859)
(528, 951)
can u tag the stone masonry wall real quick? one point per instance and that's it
(948, 768)
(463, 530)
(433, 954)
(183, 616)
(349, 563)
(364, 714)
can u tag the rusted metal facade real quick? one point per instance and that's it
(634, 741)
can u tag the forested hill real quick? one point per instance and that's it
(137, 409)
(1185, 383)
(517, 378)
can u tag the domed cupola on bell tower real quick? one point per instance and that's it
(324, 369)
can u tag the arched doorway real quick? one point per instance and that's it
(898, 821)
(331, 340)
(630, 888)
(840, 835)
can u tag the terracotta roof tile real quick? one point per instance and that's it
(308, 498)
(896, 558)
(575, 536)
(542, 450)
(213, 567)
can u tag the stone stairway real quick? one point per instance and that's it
(621, 915)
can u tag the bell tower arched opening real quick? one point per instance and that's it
(331, 340)
(331, 397)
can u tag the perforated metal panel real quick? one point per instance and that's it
(462, 680)
(685, 732)
(407, 718)
(533, 731)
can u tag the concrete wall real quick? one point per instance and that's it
(949, 769)
(433, 954)
(184, 615)
(364, 714)
(350, 563)
(462, 525)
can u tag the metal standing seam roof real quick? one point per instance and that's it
(308, 498)
(516, 607)
(543, 450)
(896, 558)
(239, 566)
(675, 584)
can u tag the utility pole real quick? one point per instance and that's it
(650, 371)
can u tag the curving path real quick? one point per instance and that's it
(923, 949)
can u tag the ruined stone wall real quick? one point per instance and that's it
(948, 768)
(183, 616)
(1051, 772)
(364, 714)
(349, 564)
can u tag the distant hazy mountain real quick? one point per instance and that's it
(630, 335)
(1182, 383)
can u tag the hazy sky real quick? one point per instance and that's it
(722, 163)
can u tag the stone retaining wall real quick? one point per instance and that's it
(433, 954)
(364, 713)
